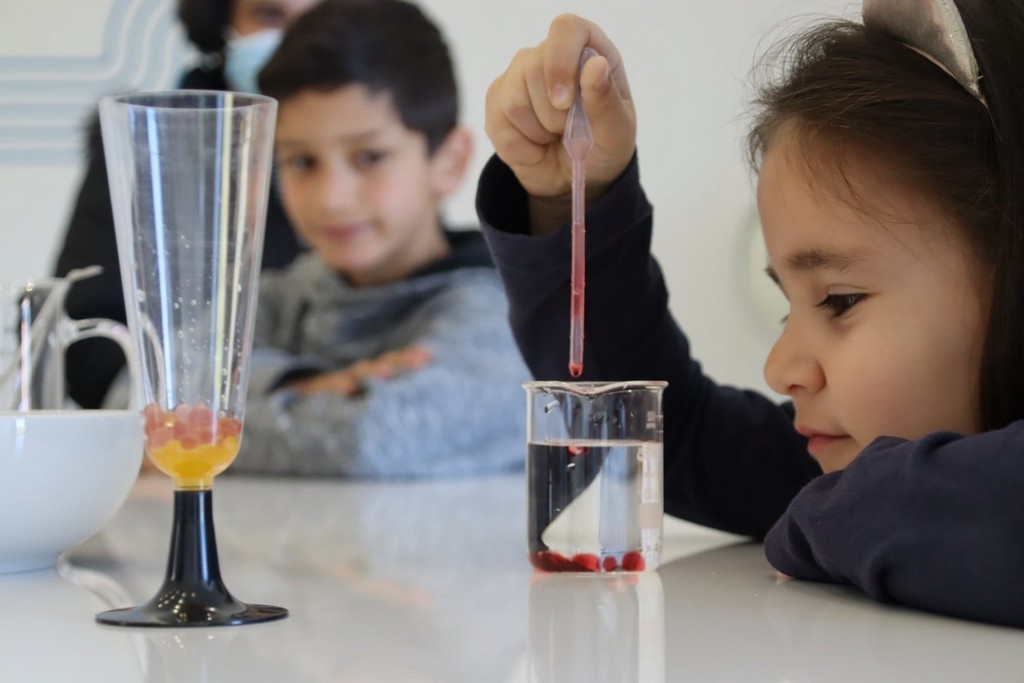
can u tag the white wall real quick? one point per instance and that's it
(688, 63)
(56, 59)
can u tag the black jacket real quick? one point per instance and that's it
(934, 523)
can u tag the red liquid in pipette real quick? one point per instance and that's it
(578, 287)
(578, 140)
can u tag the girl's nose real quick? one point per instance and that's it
(791, 365)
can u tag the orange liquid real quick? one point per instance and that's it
(194, 468)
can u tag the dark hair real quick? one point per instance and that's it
(851, 92)
(205, 22)
(386, 45)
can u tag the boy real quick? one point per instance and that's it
(386, 350)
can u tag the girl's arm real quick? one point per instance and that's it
(934, 524)
(732, 458)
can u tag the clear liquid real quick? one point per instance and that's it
(594, 505)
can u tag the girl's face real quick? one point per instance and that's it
(887, 311)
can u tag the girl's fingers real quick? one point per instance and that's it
(550, 118)
(612, 120)
(527, 107)
(514, 123)
(567, 37)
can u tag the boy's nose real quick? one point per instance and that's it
(792, 366)
(338, 189)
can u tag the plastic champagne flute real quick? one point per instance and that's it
(189, 175)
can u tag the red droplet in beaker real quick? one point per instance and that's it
(586, 561)
(550, 561)
(633, 562)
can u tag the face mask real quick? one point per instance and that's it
(244, 56)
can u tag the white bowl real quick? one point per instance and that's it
(65, 474)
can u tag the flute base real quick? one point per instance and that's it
(171, 613)
(193, 593)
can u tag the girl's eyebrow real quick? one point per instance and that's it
(816, 259)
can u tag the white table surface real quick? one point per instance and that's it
(428, 581)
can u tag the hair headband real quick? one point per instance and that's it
(933, 28)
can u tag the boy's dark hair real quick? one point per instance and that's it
(205, 22)
(389, 46)
(854, 93)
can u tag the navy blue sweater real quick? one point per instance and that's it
(930, 523)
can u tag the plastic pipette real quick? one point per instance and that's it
(578, 140)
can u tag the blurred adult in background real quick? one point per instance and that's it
(234, 39)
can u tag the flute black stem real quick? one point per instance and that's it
(193, 593)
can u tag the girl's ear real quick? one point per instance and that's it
(450, 161)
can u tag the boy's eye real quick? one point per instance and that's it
(369, 157)
(297, 162)
(839, 304)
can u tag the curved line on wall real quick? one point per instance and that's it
(45, 102)
(121, 48)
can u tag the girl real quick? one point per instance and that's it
(888, 172)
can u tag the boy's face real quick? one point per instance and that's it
(359, 186)
(887, 312)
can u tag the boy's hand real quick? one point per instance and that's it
(349, 382)
(527, 107)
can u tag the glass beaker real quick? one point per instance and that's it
(594, 475)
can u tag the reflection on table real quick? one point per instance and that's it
(600, 629)
(729, 619)
(428, 581)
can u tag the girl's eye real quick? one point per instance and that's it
(839, 304)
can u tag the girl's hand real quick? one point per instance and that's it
(349, 382)
(527, 107)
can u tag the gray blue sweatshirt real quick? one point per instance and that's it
(463, 413)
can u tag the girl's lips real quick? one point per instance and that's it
(817, 442)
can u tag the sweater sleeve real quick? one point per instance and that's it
(269, 364)
(732, 458)
(462, 413)
(933, 523)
